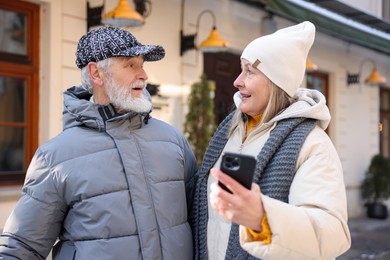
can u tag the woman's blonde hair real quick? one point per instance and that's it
(278, 101)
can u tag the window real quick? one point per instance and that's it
(318, 81)
(19, 86)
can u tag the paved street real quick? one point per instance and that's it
(370, 240)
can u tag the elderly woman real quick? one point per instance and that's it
(296, 207)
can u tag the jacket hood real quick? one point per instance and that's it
(79, 110)
(309, 103)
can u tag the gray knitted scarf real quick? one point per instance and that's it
(274, 173)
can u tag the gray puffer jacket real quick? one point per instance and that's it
(108, 187)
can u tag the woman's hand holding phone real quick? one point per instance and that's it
(242, 206)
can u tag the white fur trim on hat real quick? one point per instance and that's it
(282, 55)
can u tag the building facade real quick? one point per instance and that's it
(56, 25)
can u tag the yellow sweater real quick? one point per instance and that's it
(265, 235)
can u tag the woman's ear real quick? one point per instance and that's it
(95, 74)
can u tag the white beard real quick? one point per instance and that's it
(120, 96)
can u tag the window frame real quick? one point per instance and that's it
(325, 78)
(384, 114)
(27, 68)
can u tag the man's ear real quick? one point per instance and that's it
(95, 74)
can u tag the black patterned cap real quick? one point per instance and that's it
(107, 42)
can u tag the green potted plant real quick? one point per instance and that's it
(199, 125)
(376, 187)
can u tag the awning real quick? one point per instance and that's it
(334, 18)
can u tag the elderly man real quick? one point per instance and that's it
(116, 183)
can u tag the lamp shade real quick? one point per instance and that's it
(310, 66)
(123, 16)
(214, 42)
(374, 78)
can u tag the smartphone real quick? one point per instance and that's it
(240, 167)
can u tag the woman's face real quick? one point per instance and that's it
(254, 89)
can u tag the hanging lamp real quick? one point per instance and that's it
(123, 15)
(374, 78)
(310, 66)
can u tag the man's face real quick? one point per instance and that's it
(125, 85)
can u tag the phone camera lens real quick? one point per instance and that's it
(229, 159)
(232, 163)
(236, 163)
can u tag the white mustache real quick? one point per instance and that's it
(138, 84)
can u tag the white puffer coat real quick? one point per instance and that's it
(313, 225)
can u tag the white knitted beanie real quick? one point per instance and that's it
(281, 56)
